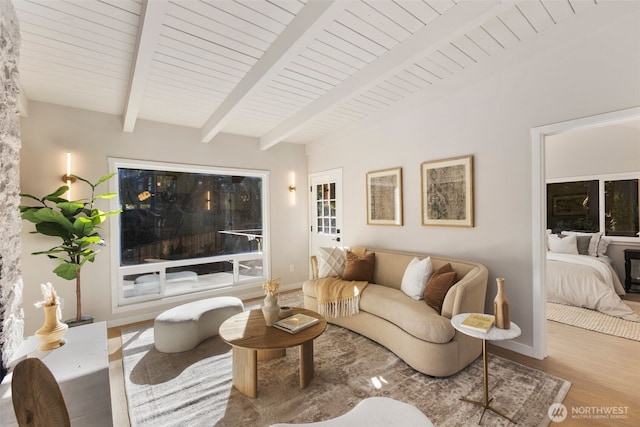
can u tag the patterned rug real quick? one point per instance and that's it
(194, 388)
(595, 321)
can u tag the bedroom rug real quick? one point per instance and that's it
(194, 388)
(595, 321)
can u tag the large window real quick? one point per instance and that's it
(186, 229)
(608, 204)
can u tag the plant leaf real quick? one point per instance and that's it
(105, 196)
(84, 180)
(104, 178)
(70, 209)
(29, 215)
(53, 229)
(29, 196)
(83, 227)
(67, 270)
(55, 196)
(49, 215)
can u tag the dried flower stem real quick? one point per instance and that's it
(271, 286)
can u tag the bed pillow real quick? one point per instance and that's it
(603, 244)
(359, 268)
(415, 277)
(438, 286)
(593, 243)
(583, 244)
(331, 261)
(567, 244)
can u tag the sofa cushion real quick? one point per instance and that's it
(415, 277)
(438, 286)
(331, 261)
(359, 268)
(413, 316)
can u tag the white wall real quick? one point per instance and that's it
(51, 131)
(592, 69)
(596, 151)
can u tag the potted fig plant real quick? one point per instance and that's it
(76, 224)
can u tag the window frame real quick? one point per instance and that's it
(620, 176)
(237, 288)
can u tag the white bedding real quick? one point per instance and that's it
(586, 281)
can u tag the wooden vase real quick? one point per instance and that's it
(271, 310)
(501, 307)
(51, 333)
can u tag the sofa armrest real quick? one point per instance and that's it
(468, 295)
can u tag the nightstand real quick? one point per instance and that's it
(629, 282)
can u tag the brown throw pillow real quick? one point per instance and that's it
(438, 286)
(359, 268)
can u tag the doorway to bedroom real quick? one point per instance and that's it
(605, 149)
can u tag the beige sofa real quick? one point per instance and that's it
(410, 328)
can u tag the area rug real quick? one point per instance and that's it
(595, 321)
(194, 388)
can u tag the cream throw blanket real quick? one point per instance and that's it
(337, 297)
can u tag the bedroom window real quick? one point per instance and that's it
(573, 206)
(607, 204)
(186, 229)
(621, 208)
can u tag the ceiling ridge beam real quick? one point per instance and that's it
(311, 19)
(151, 20)
(457, 21)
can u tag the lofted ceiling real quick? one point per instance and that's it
(278, 70)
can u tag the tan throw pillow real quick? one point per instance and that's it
(438, 286)
(359, 268)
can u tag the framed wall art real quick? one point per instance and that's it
(384, 197)
(447, 192)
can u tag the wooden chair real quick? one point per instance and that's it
(37, 399)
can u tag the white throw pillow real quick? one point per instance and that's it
(563, 245)
(331, 261)
(416, 276)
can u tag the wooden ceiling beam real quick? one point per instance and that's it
(459, 19)
(311, 19)
(151, 19)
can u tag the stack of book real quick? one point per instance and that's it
(478, 322)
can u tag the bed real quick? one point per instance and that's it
(584, 281)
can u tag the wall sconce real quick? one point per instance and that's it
(292, 188)
(67, 178)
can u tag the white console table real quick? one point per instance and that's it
(81, 367)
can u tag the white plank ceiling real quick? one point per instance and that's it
(278, 70)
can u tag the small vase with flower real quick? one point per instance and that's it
(270, 309)
(51, 333)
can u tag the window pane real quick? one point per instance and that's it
(180, 215)
(136, 285)
(573, 206)
(621, 208)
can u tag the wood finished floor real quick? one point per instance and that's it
(604, 372)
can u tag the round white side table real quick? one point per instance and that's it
(493, 334)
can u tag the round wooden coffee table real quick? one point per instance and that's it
(248, 334)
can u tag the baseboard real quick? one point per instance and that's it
(524, 349)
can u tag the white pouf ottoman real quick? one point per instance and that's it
(375, 412)
(183, 327)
